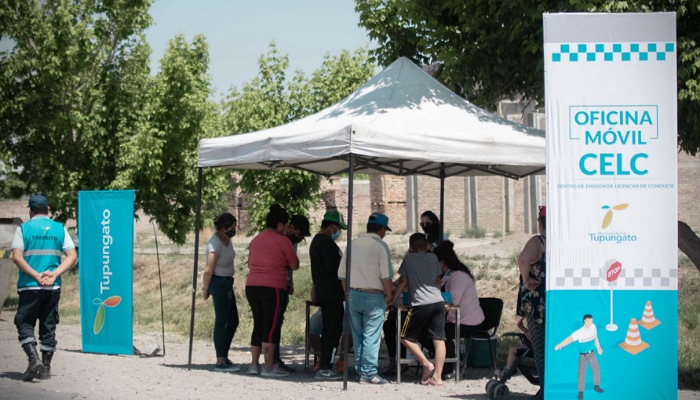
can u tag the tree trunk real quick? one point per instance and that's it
(689, 243)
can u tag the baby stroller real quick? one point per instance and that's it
(524, 362)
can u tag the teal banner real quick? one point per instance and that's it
(106, 231)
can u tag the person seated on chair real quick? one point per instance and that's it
(420, 271)
(459, 282)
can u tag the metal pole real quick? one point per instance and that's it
(160, 284)
(196, 260)
(442, 202)
(348, 252)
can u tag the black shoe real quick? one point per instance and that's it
(35, 366)
(46, 357)
(448, 376)
(284, 367)
(580, 396)
(598, 389)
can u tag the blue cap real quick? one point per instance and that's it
(38, 201)
(379, 219)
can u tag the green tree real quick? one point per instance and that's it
(79, 110)
(66, 98)
(270, 100)
(488, 50)
(160, 159)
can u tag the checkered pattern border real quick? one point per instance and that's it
(634, 278)
(587, 52)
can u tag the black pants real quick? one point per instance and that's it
(284, 302)
(465, 331)
(266, 306)
(41, 305)
(332, 313)
(226, 313)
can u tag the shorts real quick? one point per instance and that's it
(425, 321)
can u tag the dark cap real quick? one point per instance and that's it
(302, 223)
(379, 219)
(336, 217)
(38, 201)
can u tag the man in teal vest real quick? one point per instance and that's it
(36, 250)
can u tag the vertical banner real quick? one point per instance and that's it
(106, 230)
(612, 265)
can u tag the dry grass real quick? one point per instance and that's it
(495, 271)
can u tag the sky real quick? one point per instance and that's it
(238, 32)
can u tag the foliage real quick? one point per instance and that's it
(65, 98)
(161, 158)
(270, 100)
(488, 50)
(80, 111)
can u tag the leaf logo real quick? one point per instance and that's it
(110, 302)
(609, 215)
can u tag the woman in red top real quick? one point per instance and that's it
(270, 258)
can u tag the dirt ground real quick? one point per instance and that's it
(78, 375)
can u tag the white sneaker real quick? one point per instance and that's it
(254, 369)
(275, 372)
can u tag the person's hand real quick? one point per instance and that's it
(47, 278)
(558, 347)
(205, 293)
(521, 325)
(388, 299)
(532, 284)
(290, 288)
(448, 307)
(600, 351)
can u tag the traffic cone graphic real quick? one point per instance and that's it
(648, 320)
(633, 342)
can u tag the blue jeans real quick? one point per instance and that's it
(366, 321)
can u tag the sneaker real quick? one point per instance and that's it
(254, 369)
(284, 367)
(328, 375)
(275, 372)
(374, 379)
(223, 367)
(233, 367)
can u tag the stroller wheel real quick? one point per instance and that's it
(490, 386)
(501, 392)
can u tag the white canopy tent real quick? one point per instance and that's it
(401, 122)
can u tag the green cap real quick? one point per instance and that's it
(335, 216)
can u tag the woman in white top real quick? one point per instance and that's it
(218, 282)
(459, 282)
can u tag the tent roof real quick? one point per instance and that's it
(401, 122)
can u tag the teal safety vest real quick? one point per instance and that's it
(43, 246)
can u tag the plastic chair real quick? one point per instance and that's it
(492, 308)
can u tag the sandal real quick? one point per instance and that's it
(427, 375)
(431, 382)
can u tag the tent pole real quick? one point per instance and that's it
(196, 260)
(442, 202)
(348, 252)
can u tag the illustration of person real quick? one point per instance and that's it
(587, 338)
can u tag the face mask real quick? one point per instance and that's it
(294, 239)
(230, 233)
(335, 235)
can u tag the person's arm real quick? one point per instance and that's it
(212, 259)
(48, 278)
(597, 345)
(564, 343)
(530, 254)
(21, 263)
(290, 254)
(388, 295)
(401, 284)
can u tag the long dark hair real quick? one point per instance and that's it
(224, 220)
(277, 215)
(434, 231)
(446, 252)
